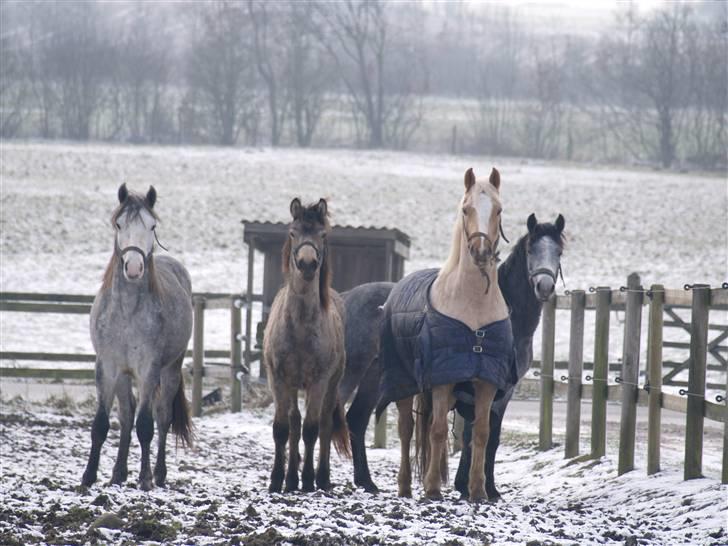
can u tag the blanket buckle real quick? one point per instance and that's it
(480, 333)
(477, 349)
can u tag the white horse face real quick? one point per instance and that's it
(544, 255)
(135, 225)
(481, 209)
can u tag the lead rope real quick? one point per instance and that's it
(156, 238)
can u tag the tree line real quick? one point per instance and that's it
(650, 88)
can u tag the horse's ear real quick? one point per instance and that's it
(123, 193)
(495, 178)
(560, 223)
(151, 197)
(531, 222)
(296, 208)
(469, 179)
(322, 208)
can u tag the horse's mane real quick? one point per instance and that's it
(454, 257)
(310, 216)
(132, 206)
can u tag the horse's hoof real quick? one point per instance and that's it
(324, 485)
(117, 478)
(405, 493)
(146, 484)
(88, 480)
(370, 488)
(433, 496)
(478, 497)
(291, 486)
(308, 487)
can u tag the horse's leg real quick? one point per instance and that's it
(326, 426)
(314, 400)
(170, 378)
(438, 437)
(127, 409)
(358, 418)
(145, 425)
(406, 425)
(294, 437)
(280, 435)
(484, 394)
(105, 385)
(496, 420)
(462, 476)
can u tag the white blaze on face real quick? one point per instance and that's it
(137, 232)
(484, 206)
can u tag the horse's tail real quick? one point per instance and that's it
(423, 417)
(423, 424)
(340, 432)
(181, 421)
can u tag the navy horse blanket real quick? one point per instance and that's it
(421, 348)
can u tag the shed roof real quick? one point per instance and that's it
(273, 232)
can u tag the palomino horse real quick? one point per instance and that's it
(303, 348)
(446, 327)
(526, 279)
(141, 322)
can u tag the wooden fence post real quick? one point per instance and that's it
(198, 351)
(696, 382)
(236, 367)
(630, 374)
(546, 413)
(654, 378)
(576, 366)
(724, 475)
(600, 391)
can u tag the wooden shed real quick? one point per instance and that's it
(359, 255)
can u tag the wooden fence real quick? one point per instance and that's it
(629, 389)
(25, 302)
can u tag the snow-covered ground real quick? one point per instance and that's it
(55, 203)
(56, 200)
(217, 492)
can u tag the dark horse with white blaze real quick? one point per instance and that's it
(141, 322)
(303, 348)
(526, 278)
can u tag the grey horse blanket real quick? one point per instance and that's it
(421, 348)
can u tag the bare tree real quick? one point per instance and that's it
(13, 74)
(268, 21)
(308, 69)
(220, 68)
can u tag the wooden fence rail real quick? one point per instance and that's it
(25, 302)
(701, 299)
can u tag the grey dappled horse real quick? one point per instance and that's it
(141, 322)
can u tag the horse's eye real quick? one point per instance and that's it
(465, 211)
(323, 235)
(154, 227)
(118, 226)
(290, 233)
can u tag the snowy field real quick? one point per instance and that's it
(217, 492)
(56, 200)
(55, 236)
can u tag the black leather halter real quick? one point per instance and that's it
(546, 271)
(307, 243)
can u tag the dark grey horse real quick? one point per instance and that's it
(526, 278)
(141, 322)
